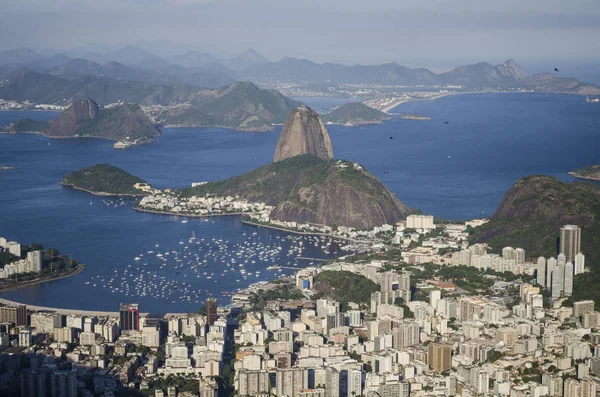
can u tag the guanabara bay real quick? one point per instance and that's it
(299, 199)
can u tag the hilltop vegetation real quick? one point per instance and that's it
(104, 179)
(533, 211)
(344, 287)
(355, 114)
(307, 189)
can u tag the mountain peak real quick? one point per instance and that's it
(303, 133)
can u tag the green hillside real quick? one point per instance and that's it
(104, 179)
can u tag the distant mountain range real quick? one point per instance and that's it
(201, 69)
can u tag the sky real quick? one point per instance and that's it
(412, 32)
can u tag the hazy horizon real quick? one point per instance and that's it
(436, 34)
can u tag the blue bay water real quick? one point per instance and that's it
(492, 140)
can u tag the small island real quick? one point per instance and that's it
(107, 180)
(414, 117)
(353, 114)
(592, 173)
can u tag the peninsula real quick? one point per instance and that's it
(106, 180)
(24, 266)
(592, 173)
(304, 189)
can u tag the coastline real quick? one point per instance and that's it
(30, 283)
(188, 215)
(589, 178)
(302, 233)
(389, 108)
(252, 224)
(102, 194)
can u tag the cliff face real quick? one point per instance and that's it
(309, 189)
(348, 196)
(73, 118)
(303, 133)
(84, 118)
(535, 208)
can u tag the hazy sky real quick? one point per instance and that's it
(349, 31)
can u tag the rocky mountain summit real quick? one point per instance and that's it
(305, 184)
(303, 133)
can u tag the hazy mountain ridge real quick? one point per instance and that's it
(241, 106)
(252, 66)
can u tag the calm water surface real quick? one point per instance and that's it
(458, 170)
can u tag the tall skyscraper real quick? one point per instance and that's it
(129, 317)
(211, 311)
(21, 315)
(558, 281)
(520, 256)
(551, 264)
(440, 357)
(568, 286)
(570, 241)
(540, 270)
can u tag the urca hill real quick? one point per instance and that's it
(306, 185)
(84, 118)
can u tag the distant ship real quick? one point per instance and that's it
(594, 100)
(8, 167)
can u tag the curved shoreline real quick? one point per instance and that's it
(102, 194)
(188, 215)
(30, 283)
(303, 233)
(579, 176)
(253, 224)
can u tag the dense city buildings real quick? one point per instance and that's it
(467, 322)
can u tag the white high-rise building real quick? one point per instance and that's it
(25, 338)
(420, 222)
(35, 261)
(562, 259)
(508, 253)
(558, 281)
(568, 286)
(551, 264)
(579, 263)
(541, 271)
(520, 256)
(434, 297)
